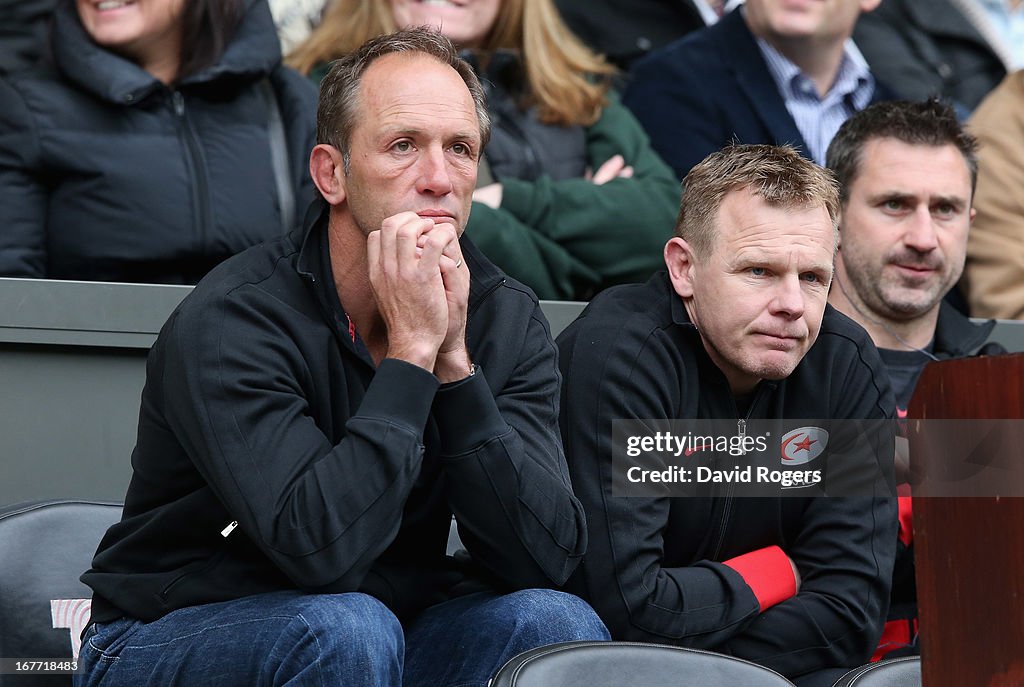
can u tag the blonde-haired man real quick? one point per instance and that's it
(737, 327)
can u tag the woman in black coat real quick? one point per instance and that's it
(162, 137)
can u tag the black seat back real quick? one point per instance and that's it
(613, 664)
(897, 672)
(44, 548)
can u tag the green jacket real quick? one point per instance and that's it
(571, 238)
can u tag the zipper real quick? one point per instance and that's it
(730, 488)
(724, 523)
(195, 163)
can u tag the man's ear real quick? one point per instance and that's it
(680, 260)
(326, 166)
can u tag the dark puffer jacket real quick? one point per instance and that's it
(108, 174)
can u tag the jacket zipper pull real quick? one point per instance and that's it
(179, 103)
(229, 529)
(742, 426)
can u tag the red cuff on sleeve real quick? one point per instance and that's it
(906, 511)
(897, 634)
(768, 573)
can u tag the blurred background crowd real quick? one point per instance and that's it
(150, 150)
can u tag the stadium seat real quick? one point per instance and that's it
(613, 664)
(44, 547)
(897, 672)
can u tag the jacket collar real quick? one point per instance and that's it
(710, 373)
(956, 336)
(254, 52)
(503, 67)
(314, 263)
(676, 305)
(94, 69)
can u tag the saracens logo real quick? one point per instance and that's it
(803, 444)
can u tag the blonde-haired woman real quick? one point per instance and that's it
(571, 198)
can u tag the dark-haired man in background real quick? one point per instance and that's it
(907, 172)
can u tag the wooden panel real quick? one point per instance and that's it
(970, 550)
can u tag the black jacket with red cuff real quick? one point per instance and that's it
(714, 572)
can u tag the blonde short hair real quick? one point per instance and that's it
(778, 174)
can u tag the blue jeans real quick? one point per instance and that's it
(335, 640)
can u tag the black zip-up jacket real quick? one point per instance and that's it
(261, 408)
(654, 570)
(107, 174)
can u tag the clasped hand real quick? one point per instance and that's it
(421, 285)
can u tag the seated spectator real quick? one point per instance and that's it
(164, 137)
(626, 30)
(770, 72)
(994, 275)
(737, 328)
(906, 173)
(318, 408)
(573, 198)
(923, 48)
